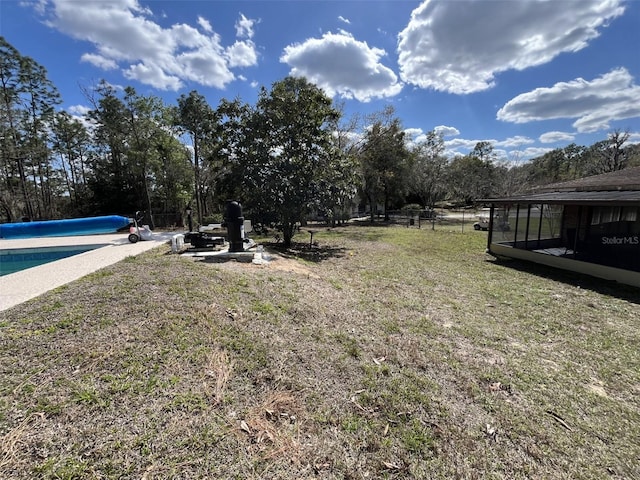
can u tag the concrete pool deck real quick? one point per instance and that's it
(19, 287)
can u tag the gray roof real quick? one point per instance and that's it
(621, 187)
(627, 179)
(625, 197)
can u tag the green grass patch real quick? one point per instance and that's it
(379, 352)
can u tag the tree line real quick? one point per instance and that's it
(291, 155)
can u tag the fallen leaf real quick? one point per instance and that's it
(492, 432)
(244, 426)
(320, 466)
(353, 400)
(391, 466)
(560, 420)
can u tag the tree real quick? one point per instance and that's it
(136, 155)
(484, 151)
(111, 181)
(573, 155)
(340, 191)
(633, 155)
(553, 166)
(173, 180)
(384, 163)
(40, 98)
(27, 102)
(609, 155)
(146, 117)
(14, 183)
(292, 158)
(195, 117)
(426, 180)
(557, 165)
(511, 176)
(236, 137)
(71, 142)
(472, 176)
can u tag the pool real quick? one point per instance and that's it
(16, 259)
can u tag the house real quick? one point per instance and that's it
(590, 225)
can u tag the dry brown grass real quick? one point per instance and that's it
(13, 441)
(219, 368)
(383, 353)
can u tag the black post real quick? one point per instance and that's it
(234, 221)
(189, 218)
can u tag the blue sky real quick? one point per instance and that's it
(526, 75)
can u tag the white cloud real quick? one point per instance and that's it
(595, 104)
(516, 157)
(78, 110)
(556, 137)
(413, 136)
(153, 75)
(345, 20)
(205, 25)
(352, 138)
(244, 27)
(99, 61)
(532, 152)
(446, 131)
(242, 54)
(465, 144)
(634, 137)
(124, 34)
(80, 113)
(417, 136)
(413, 132)
(507, 150)
(500, 155)
(457, 147)
(516, 141)
(342, 65)
(510, 147)
(459, 46)
(205, 67)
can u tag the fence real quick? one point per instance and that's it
(168, 220)
(428, 217)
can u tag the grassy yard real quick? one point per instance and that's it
(380, 353)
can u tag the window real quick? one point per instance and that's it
(613, 214)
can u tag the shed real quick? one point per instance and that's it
(590, 225)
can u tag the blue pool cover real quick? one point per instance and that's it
(63, 228)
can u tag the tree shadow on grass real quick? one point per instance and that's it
(604, 287)
(306, 251)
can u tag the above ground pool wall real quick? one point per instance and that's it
(62, 228)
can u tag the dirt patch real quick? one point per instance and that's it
(598, 389)
(278, 262)
(272, 260)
